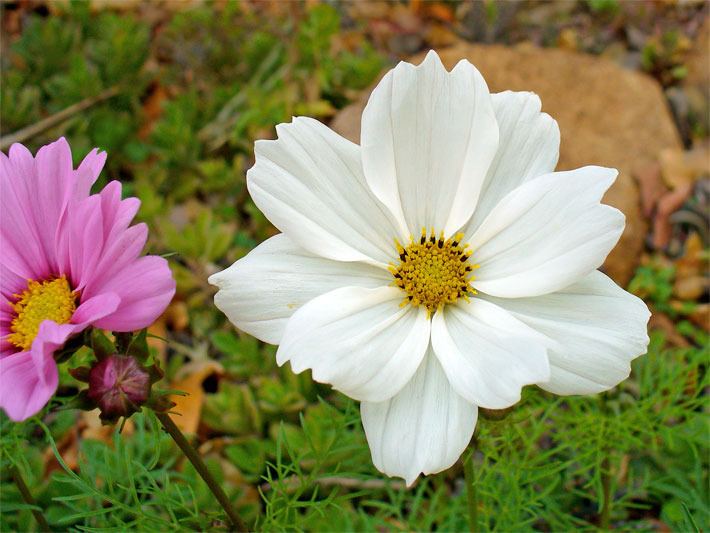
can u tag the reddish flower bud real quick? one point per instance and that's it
(118, 385)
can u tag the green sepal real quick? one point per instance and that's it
(156, 373)
(101, 345)
(138, 347)
(113, 420)
(80, 373)
(159, 403)
(70, 347)
(81, 401)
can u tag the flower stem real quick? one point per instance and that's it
(27, 497)
(471, 486)
(604, 520)
(201, 468)
(605, 467)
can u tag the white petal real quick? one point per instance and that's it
(428, 138)
(423, 429)
(359, 340)
(528, 147)
(546, 234)
(309, 184)
(597, 328)
(261, 291)
(487, 354)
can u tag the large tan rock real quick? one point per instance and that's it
(607, 116)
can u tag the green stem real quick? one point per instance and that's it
(606, 474)
(471, 486)
(27, 497)
(201, 468)
(604, 521)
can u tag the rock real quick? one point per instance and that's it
(607, 116)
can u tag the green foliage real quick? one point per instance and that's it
(544, 467)
(131, 483)
(607, 7)
(654, 283)
(222, 80)
(65, 60)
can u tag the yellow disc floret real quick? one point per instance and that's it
(433, 272)
(53, 300)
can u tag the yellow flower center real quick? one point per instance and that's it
(433, 272)
(53, 300)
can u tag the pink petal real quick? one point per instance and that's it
(50, 337)
(117, 213)
(22, 392)
(54, 177)
(146, 288)
(12, 283)
(93, 163)
(118, 254)
(22, 159)
(95, 308)
(80, 241)
(19, 237)
(6, 348)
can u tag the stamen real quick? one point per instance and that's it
(52, 299)
(434, 272)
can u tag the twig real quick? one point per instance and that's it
(471, 486)
(35, 129)
(27, 497)
(201, 468)
(605, 518)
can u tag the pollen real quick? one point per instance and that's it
(433, 271)
(53, 300)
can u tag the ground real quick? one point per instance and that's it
(177, 93)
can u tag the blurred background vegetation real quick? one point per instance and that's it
(177, 93)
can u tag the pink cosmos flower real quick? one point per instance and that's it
(68, 261)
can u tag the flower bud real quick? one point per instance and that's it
(118, 385)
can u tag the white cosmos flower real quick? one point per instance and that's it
(440, 266)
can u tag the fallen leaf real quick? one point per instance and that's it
(680, 167)
(439, 11)
(568, 40)
(174, 317)
(190, 406)
(405, 18)
(439, 36)
(667, 205)
(372, 10)
(91, 427)
(693, 262)
(651, 187)
(68, 448)
(152, 110)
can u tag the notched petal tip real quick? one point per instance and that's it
(432, 58)
(216, 279)
(421, 430)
